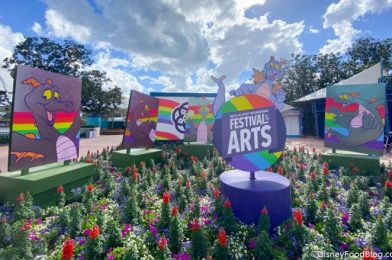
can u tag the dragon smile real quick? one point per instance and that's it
(49, 115)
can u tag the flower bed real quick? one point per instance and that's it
(175, 210)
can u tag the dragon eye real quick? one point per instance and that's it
(56, 95)
(47, 94)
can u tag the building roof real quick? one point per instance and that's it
(368, 76)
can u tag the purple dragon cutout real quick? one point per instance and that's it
(265, 83)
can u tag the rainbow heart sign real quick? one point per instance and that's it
(249, 132)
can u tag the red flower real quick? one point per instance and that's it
(312, 176)
(166, 197)
(21, 197)
(388, 184)
(216, 193)
(177, 149)
(295, 159)
(325, 170)
(298, 217)
(188, 184)
(90, 188)
(141, 164)
(135, 175)
(227, 204)
(368, 254)
(162, 243)
(222, 238)
(128, 170)
(301, 166)
(60, 189)
(269, 169)
(314, 149)
(264, 211)
(25, 226)
(174, 211)
(195, 225)
(280, 169)
(94, 232)
(355, 169)
(68, 248)
(203, 175)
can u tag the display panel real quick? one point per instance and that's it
(45, 118)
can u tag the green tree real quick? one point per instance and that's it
(72, 59)
(67, 58)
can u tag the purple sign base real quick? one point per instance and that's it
(249, 197)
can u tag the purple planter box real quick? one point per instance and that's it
(249, 197)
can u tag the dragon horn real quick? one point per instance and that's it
(32, 81)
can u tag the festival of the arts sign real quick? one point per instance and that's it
(249, 131)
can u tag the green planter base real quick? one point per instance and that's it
(42, 182)
(123, 159)
(370, 164)
(198, 149)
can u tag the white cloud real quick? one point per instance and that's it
(178, 37)
(37, 28)
(251, 42)
(62, 28)
(313, 30)
(8, 40)
(340, 16)
(116, 70)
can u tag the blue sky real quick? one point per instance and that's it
(175, 45)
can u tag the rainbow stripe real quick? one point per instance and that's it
(23, 122)
(165, 127)
(254, 161)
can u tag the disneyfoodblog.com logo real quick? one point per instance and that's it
(357, 255)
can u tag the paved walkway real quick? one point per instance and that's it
(109, 140)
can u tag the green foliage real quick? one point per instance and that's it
(323, 194)
(263, 223)
(164, 217)
(21, 245)
(76, 220)
(220, 252)
(5, 233)
(24, 207)
(355, 220)
(196, 208)
(332, 227)
(229, 222)
(311, 210)
(113, 235)
(60, 199)
(175, 236)
(363, 203)
(380, 236)
(131, 211)
(352, 195)
(263, 247)
(94, 249)
(199, 244)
